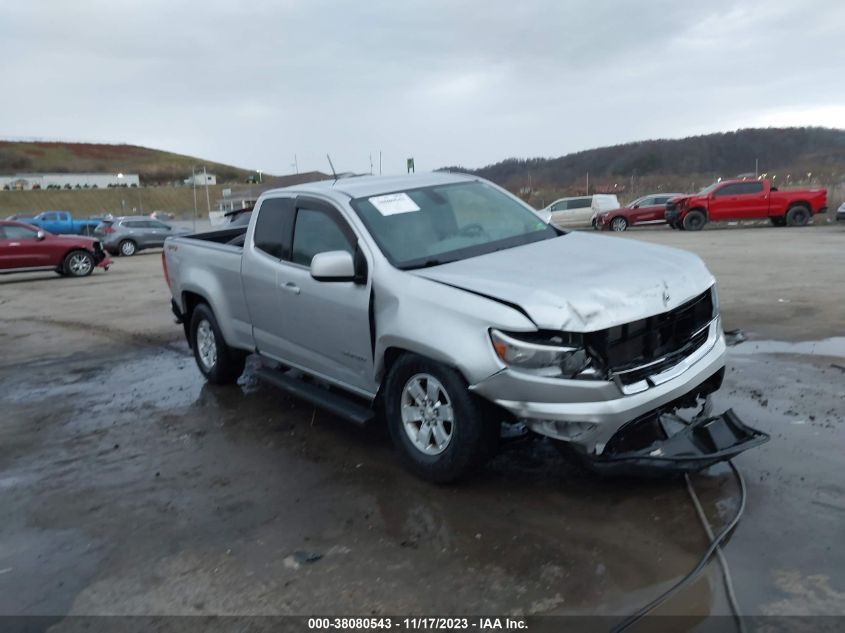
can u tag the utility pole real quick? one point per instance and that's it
(379, 162)
(295, 164)
(371, 164)
(207, 197)
(756, 168)
(588, 183)
(194, 185)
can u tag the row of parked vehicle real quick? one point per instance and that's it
(727, 200)
(55, 240)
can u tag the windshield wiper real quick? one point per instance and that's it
(428, 264)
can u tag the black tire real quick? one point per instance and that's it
(127, 248)
(618, 224)
(777, 221)
(228, 363)
(798, 215)
(78, 263)
(472, 438)
(694, 220)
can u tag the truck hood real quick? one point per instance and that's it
(580, 282)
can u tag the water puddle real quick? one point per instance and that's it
(834, 346)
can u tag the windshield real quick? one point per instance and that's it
(444, 223)
(709, 188)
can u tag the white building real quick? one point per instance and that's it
(26, 182)
(199, 179)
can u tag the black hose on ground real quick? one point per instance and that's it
(702, 563)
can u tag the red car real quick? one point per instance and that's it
(748, 199)
(650, 209)
(25, 248)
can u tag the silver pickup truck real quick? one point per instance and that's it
(452, 308)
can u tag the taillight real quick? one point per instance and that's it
(164, 266)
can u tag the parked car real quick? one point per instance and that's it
(745, 200)
(452, 306)
(840, 213)
(26, 248)
(63, 223)
(650, 209)
(127, 235)
(581, 210)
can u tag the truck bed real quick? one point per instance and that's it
(231, 236)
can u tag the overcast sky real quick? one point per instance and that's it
(454, 82)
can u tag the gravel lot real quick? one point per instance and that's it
(128, 486)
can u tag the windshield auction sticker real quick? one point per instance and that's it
(394, 203)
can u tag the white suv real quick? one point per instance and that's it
(581, 210)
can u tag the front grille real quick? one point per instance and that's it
(646, 347)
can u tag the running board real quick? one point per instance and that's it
(332, 402)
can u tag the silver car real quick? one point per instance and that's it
(126, 235)
(452, 308)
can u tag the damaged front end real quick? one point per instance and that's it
(664, 442)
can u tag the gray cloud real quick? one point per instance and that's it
(448, 83)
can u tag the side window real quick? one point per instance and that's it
(747, 188)
(660, 200)
(646, 202)
(129, 224)
(317, 231)
(728, 190)
(581, 203)
(559, 206)
(273, 227)
(18, 232)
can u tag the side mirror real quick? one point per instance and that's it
(636, 206)
(40, 235)
(333, 266)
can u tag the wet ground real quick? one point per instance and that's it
(128, 486)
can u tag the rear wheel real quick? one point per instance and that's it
(798, 215)
(78, 264)
(127, 248)
(694, 221)
(219, 363)
(436, 424)
(618, 224)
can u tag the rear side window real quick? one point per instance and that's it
(273, 227)
(580, 203)
(130, 224)
(318, 231)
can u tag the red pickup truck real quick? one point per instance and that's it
(745, 200)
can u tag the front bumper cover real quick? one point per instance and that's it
(705, 441)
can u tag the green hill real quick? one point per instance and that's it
(155, 167)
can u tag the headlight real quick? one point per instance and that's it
(714, 299)
(558, 355)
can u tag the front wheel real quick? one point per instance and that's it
(219, 363)
(694, 221)
(436, 424)
(78, 264)
(618, 224)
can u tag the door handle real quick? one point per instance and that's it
(290, 287)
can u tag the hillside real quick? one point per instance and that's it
(153, 166)
(681, 165)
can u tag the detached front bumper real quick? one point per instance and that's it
(101, 258)
(589, 413)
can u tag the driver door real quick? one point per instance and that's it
(326, 324)
(21, 248)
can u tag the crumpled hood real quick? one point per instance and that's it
(581, 282)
